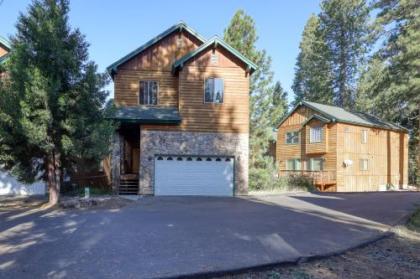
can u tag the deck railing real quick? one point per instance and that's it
(319, 178)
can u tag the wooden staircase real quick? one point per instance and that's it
(128, 185)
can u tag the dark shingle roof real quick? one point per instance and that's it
(147, 115)
(338, 114)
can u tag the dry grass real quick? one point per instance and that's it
(397, 256)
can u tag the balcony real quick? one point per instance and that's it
(324, 181)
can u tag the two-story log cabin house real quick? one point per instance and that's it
(183, 107)
(343, 151)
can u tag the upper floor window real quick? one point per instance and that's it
(292, 137)
(364, 164)
(148, 92)
(364, 136)
(316, 164)
(315, 134)
(213, 90)
(293, 164)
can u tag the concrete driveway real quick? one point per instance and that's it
(164, 237)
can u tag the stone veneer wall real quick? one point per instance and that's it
(116, 152)
(192, 143)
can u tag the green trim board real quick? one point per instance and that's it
(338, 114)
(4, 58)
(177, 27)
(4, 42)
(318, 117)
(211, 42)
(146, 115)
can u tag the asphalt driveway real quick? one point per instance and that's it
(164, 237)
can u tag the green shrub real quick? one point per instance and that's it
(265, 178)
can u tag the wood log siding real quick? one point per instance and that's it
(161, 55)
(185, 90)
(305, 150)
(318, 147)
(3, 51)
(385, 150)
(127, 83)
(154, 63)
(232, 116)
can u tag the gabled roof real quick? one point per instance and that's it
(177, 27)
(318, 117)
(338, 114)
(5, 43)
(147, 115)
(211, 42)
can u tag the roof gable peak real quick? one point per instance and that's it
(213, 41)
(181, 26)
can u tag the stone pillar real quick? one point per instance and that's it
(116, 162)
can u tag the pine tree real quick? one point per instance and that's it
(51, 105)
(242, 35)
(345, 25)
(313, 73)
(390, 86)
(280, 104)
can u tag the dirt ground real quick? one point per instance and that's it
(396, 256)
(24, 203)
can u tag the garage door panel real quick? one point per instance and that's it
(190, 176)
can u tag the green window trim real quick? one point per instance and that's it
(316, 164)
(294, 164)
(292, 137)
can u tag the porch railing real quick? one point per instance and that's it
(319, 178)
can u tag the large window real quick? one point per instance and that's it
(364, 136)
(315, 134)
(293, 164)
(148, 92)
(316, 164)
(364, 164)
(213, 90)
(292, 137)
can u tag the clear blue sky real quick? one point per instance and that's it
(114, 28)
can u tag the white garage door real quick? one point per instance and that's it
(193, 176)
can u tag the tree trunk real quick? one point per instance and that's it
(54, 173)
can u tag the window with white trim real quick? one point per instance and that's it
(315, 134)
(364, 164)
(316, 164)
(292, 137)
(364, 136)
(214, 90)
(148, 92)
(293, 164)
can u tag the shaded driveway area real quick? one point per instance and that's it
(164, 237)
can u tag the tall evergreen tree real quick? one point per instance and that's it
(280, 104)
(345, 25)
(242, 35)
(51, 105)
(390, 86)
(313, 74)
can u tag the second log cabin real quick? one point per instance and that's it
(341, 150)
